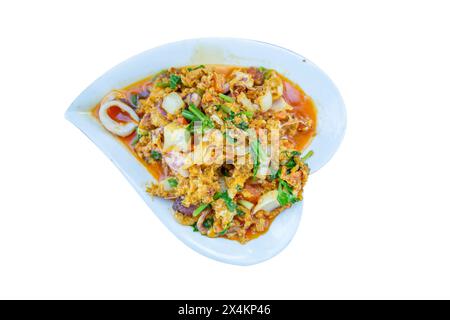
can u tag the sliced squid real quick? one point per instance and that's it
(120, 129)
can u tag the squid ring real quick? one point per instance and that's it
(120, 129)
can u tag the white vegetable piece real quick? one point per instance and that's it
(280, 104)
(246, 204)
(172, 103)
(120, 129)
(265, 101)
(176, 138)
(217, 119)
(242, 99)
(267, 202)
(264, 161)
(177, 162)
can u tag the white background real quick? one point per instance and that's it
(376, 219)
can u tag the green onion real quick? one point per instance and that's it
(221, 233)
(248, 114)
(136, 139)
(226, 98)
(226, 109)
(188, 115)
(172, 182)
(308, 155)
(134, 99)
(246, 204)
(255, 149)
(196, 68)
(200, 208)
(194, 227)
(163, 84)
(174, 80)
(206, 122)
(197, 112)
(155, 155)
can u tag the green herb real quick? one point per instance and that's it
(194, 227)
(226, 98)
(285, 195)
(228, 201)
(238, 188)
(308, 155)
(134, 99)
(255, 149)
(208, 223)
(243, 125)
(155, 155)
(239, 212)
(196, 68)
(291, 162)
(200, 208)
(174, 80)
(172, 182)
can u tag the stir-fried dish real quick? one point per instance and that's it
(225, 143)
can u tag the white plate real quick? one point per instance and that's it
(331, 127)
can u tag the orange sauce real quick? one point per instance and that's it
(303, 106)
(119, 115)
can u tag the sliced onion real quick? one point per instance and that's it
(120, 129)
